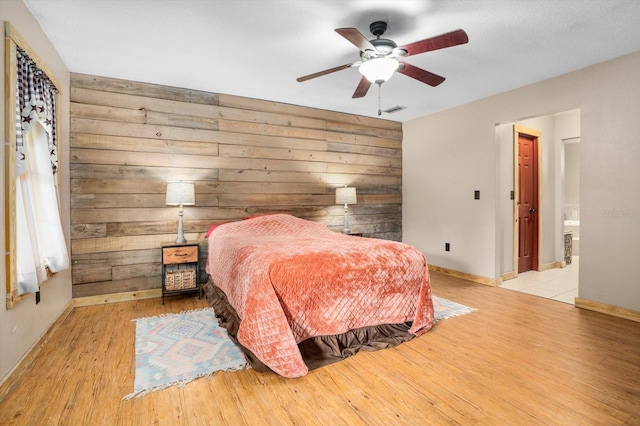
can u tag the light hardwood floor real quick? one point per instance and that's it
(519, 359)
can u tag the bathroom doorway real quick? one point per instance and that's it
(556, 276)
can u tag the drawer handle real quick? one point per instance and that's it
(182, 254)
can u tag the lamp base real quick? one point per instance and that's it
(345, 227)
(181, 239)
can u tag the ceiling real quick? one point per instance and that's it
(257, 48)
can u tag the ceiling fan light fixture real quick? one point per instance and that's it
(378, 70)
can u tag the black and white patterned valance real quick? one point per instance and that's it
(35, 101)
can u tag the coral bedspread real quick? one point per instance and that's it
(290, 279)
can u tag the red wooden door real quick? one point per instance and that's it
(528, 203)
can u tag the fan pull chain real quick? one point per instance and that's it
(379, 99)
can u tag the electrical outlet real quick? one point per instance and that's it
(447, 247)
(476, 194)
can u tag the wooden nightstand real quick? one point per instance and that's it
(179, 268)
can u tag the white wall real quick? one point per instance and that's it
(572, 178)
(504, 204)
(448, 154)
(444, 161)
(23, 325)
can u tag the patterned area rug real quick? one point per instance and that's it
(175, 349)
(446, 308)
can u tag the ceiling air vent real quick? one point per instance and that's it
(394, 109)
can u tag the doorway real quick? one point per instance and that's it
(553, 279)
(526, 199)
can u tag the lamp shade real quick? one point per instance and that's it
(180, 193)
(346, 195)
(378, 70)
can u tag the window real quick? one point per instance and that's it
(35, 240)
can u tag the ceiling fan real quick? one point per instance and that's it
(379, 58)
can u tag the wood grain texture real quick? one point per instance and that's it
(246, 157)
(148, 90)
(350, 120)
(517, 360)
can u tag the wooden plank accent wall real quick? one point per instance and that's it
(246, 157)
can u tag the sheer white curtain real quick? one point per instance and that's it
(40, 239)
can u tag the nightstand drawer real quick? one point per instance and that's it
(174, 255)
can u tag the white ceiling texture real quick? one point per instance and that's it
(257, 48)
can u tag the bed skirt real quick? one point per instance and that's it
(316, 351)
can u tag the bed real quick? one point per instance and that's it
(295, 295)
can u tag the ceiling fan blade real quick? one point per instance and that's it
(452, 38)
(321, 73)
(419, 74)
(356, 38)
(362, 89)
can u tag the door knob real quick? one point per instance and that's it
(532, 210)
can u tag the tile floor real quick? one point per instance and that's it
(559, 284)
